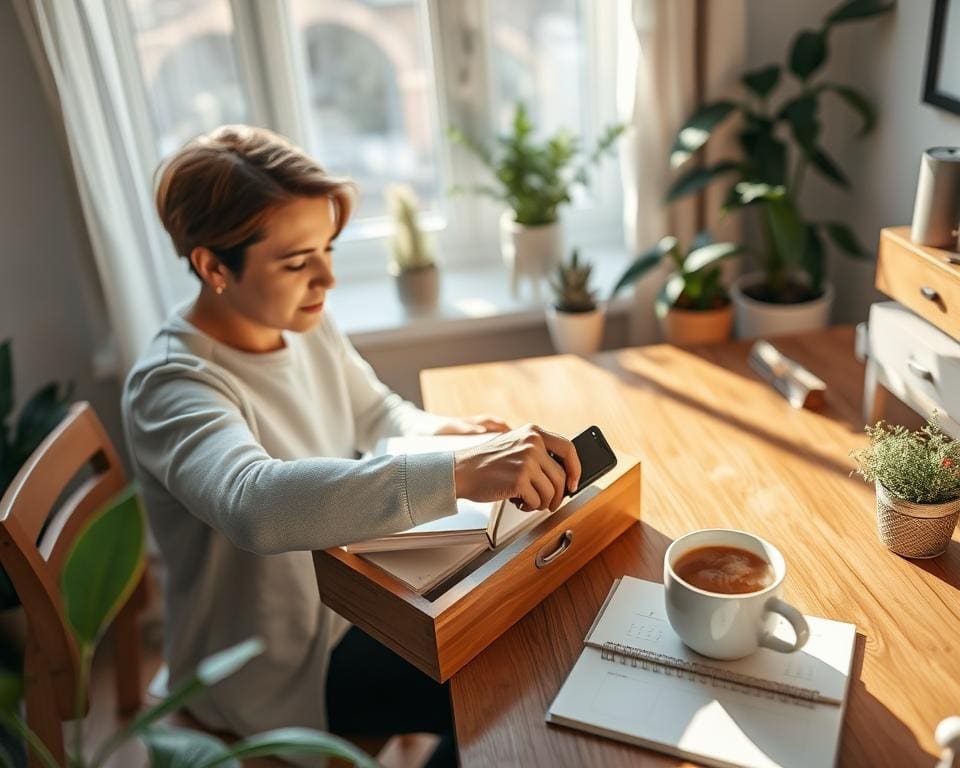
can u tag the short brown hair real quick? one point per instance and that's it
(218, 189)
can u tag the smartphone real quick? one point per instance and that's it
(596, 458)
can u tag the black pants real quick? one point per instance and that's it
(372, 692)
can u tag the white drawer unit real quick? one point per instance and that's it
(913, 360)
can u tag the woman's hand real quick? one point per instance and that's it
(473, 425)
(517, 464)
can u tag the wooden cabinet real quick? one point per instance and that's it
(926, 280)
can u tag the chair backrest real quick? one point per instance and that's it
(35, 538)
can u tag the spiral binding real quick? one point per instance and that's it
(704, 673)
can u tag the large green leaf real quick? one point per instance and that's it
(766, 155)
(185, 748)
(826, 165)
(801, 115)
(808, 53)
(812, 260)
(762, 81)
(11, 689)
(845, 239)
(103, 567)
(640, 266)
(858, 9)
(709, 255)
(288, 742)
(786, 228)
(697, 130)
(6, 380)
(697, 178)
(857, 102)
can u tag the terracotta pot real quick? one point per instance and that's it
(576, 333)
(418, 289)
(529, 253)
(697, 326)
(761, 318)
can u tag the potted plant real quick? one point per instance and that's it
(917, 477)
(533, 179)
(411, 261)
(693, 306)
(780, 139)
(575, 320)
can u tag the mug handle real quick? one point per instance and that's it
(799, 624)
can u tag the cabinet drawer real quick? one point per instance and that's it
(917, 362)
(923, 279)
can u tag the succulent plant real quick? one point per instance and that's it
(572, 286)
(409, 249)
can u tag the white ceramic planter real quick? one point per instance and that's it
(530, 253)
(418, 289)
(760, 318)
(576, 333)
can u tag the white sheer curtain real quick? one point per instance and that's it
(73, 47)
(674, 54)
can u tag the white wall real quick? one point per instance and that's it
(41, 306)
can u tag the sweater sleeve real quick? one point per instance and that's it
(377, 411)
(188, 433)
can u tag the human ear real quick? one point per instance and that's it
(209, 267)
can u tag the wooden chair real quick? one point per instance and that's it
(78, 448)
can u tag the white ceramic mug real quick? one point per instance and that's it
(729, 626)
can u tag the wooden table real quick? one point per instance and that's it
(719, 449)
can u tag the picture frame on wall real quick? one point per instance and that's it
(942, 82)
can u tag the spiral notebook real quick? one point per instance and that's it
(637, 682)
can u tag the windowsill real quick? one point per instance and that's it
(473, 300)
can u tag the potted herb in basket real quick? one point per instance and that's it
(693, 306)
(780, 140)
(575, 321)
(917, 476)
(411, 261)
(533, 179)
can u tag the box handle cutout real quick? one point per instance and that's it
(545, 560)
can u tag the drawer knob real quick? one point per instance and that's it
(919, 371)
(545, 560)
(930, 294)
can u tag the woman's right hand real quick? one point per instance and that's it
(517, 464)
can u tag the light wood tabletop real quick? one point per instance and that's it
(720, 449)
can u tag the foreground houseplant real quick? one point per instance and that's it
(780, 139)
(94, 586)
(575, 320)
(411, 260)
(533, 179)
(693, 306)
(917, 477)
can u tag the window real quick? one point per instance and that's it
(368, 87)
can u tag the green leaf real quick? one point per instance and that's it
(808, 53)
(640, 266)
(221, 665)
(801, 114)
(845, 239)
(185, 748)
(697, 178)
(697, 130)
(858, 103)
(750, 192)
(668, 295)
(103, 567)
(786, 227)
(288, 742)
(708, 255)
(761, 81)
(812, 259)
(825, 164)
(859, 9)
(766, 154)
(6, 380)
(11, 690)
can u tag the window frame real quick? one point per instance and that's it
(465, 228)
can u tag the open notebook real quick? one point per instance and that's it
(637, 682)
(475, 523)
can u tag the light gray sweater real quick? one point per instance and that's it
(246, 463)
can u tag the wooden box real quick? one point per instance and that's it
(440, 633)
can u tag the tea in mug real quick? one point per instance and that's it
(725, 570)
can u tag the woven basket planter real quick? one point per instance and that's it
(915, 530)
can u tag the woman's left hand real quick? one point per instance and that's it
(473, 425)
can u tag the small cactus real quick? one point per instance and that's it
(408, 246)
(572, 286)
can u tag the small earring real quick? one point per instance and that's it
(218, 290)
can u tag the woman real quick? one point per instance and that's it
(244, 419)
